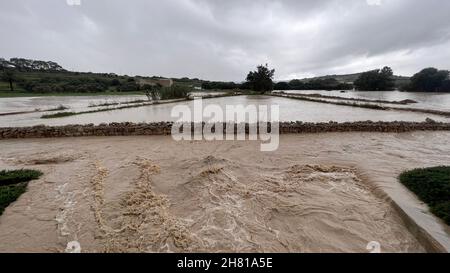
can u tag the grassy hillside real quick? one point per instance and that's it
(65, 83)
(37, 78)
(399, 80)
(33, 77)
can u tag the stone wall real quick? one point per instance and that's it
(164, 128)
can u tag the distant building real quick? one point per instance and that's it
(147, 81)
(166, 82)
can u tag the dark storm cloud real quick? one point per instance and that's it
(222, 40)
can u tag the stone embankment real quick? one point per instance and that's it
(165, 128)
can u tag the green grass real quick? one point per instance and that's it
(4, 87)
(432, 186)
(18, 176)
(13, 184)
(9, 194)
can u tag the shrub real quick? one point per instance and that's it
(9, 194)
(431, 185)
(13, 184)
(174, 92)
(18, 176)
(128, 86)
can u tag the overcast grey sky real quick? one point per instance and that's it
(223, 40)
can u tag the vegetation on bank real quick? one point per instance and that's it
(429, 80)
(18, 176)
(260, 80)
(39, 77)
(376, 80)
(13, 184)
(62, 82)
(172, 92)
(313, 84)
(432, 186)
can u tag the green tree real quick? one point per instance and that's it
(387, 78)
(261, 79)
(9, 76)
(429, 80)
(281, 86)
(296, 84)
(376, 80)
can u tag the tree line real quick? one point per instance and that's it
(427, 80)
(27, 65)
(50, 83)
(314, 84)
(53, 78)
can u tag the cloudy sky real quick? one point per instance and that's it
(223, 40)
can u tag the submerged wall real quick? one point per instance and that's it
(164, 128)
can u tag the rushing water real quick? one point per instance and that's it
(290, 110)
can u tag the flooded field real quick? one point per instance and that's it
(435, 101)
(290, 110)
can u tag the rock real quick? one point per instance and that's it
(429, 120)
(408, 101)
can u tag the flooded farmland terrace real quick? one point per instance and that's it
(290, 110)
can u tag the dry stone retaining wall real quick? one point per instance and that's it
(164, 128)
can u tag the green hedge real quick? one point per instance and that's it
(18, 176)
(13, 184)
(9, 194)
(432, 186)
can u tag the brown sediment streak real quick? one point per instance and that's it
(146, 222)
(98, 192)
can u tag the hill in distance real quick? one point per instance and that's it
(350, 78)
(49, 77)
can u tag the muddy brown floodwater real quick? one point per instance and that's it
(316, 193)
